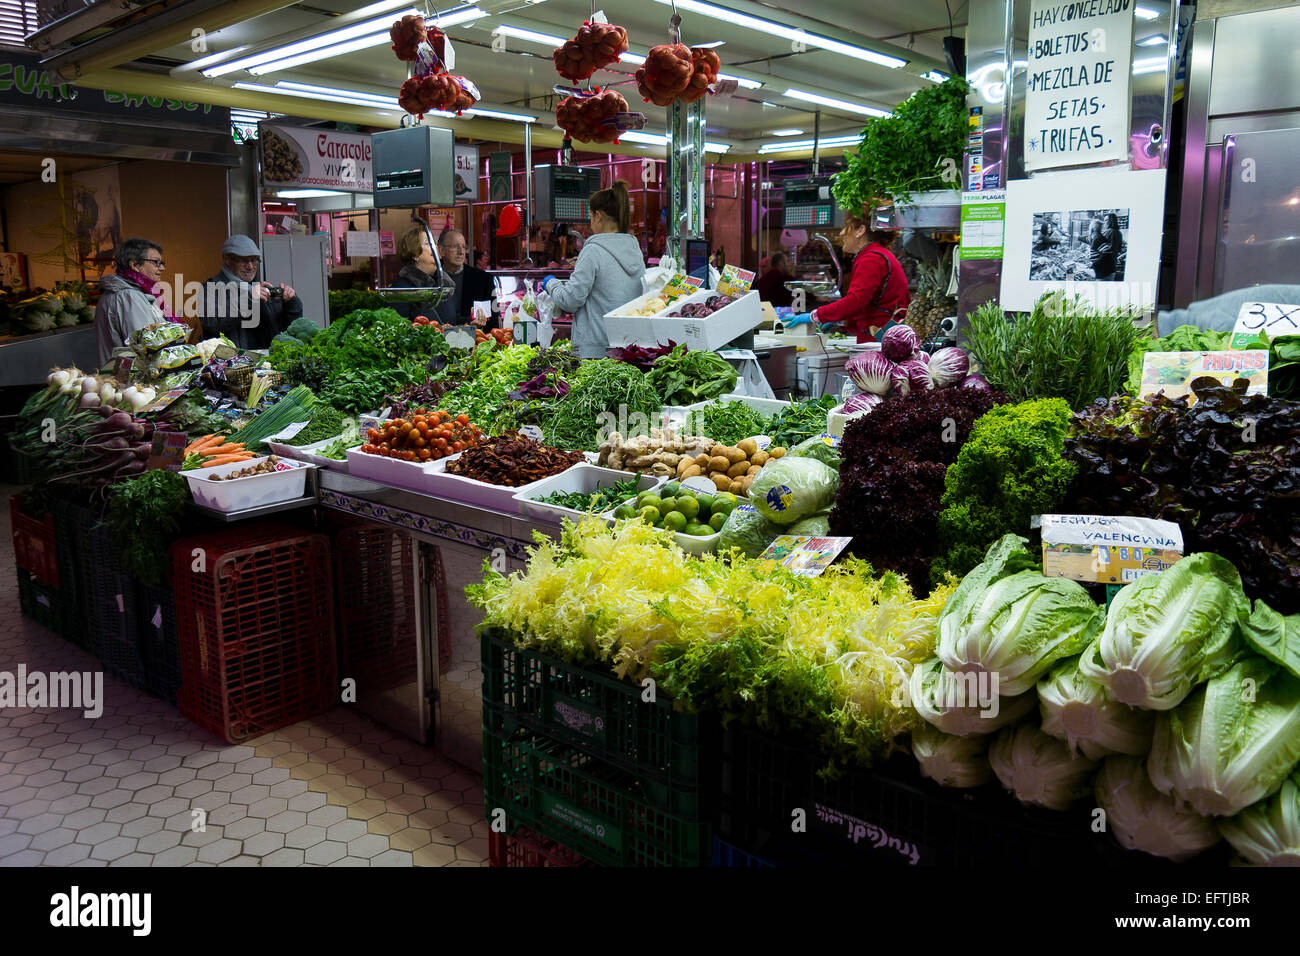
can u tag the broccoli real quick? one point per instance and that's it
(302, 328)
(287, 339)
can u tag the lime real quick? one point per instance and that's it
(698, 530)
(717, 521)
(706, 503)
(688, 505)
(649, 514)
(675, 521)
(671, 489)
(624, 511)
(647, 499)
(667, 505)
(724, 503)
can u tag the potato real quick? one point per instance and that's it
(719, 463)
(753, 470)
(749, 447)
(745, 483)
(776, 453)
(758, 458)
(692, 470)
(718, 450)
(738, 469)
(721, 482)
(737, 487)
(682, 465)
(702, 460)
(734, 454)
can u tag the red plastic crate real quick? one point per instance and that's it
(373, 565)
(35, 550)
(526, 848)
(256, 628)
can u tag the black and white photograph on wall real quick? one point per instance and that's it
(1081, 245)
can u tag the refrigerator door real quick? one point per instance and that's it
(300, 262)
(1259, 213)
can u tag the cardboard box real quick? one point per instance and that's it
(1108, 549)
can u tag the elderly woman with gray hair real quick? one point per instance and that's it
(131, 299)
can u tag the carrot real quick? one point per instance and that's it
(227, 459)
(201, 443)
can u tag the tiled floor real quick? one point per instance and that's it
(123, 789)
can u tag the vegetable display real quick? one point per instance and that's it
(1083, 713)
(299, 405)
(800, 421)
(1064, 349)
(1143, 818)
(684, 377)
(659, 453)
(748, 532)
(730, 422)
(512, 460)
(144, 514)
(791, 488)
(327, 422)
(598, 501)
(212, 450)
(264, 467)
(951, 761)
(956, 703)
(892, 479)
(1038, 769)
(428, 436)
(1011, 467)
(731, 468)
(596, 391)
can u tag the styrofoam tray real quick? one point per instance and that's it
(707, 334)
(495, 497)
(836, 420)
(390, 471)
(318, 459)
(690, 543)
(287, 482)
(580, 478)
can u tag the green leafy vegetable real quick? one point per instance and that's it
(730, 422)
(598, 390)
(145, 514)
(599, 501)
(800, 421)
(684, 377)
(326, 422)
(1143, 818)
(1267, 833)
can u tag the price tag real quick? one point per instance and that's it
(162, 401)
(599, 17)
(168, 450)
(1174, 372)
(703, 485)
(459, 338)
(287, 433)
(805, 556)
(1270, 318)
(762, 441)
(122, 368)
(531, 431)
(680, 285)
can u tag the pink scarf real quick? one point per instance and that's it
(149, 287)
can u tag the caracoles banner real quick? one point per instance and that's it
(315, 158)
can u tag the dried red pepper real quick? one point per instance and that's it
(511, 459)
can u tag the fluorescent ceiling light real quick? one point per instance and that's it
(828, 143)
(531, 36)
(352, 46)
(710, 45)
(1154, 64)
(497, 114)
(743, 83)
(213, 58)
(354, 99)
(787, 132)
(836, 104)
(659, 139)
(788, 33)
(1158, 40)
(935, 76)
(634, 58)
(308, 193)
(333, 38)
(1146, 13)
(378, 100)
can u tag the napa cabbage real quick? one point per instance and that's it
(951, 761)
(1143, 818)
(1080, 711)
(1267, 833)
(962, 705)
(1039, 769)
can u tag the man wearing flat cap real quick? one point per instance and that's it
(248, 312)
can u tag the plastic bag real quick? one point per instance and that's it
(792, 488)
(177, 356)
(816, 526)
(819, 447)
(545, 309)
(657, 277)
(155, 337)
(748, 532)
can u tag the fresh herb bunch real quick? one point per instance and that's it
(892, 476)
(600, 387)
(492, 372)
(598, 501)
(684, 377)
(1064, 348)
(326, 422)
(193, 415)
(908, 150)
(145, 514)
(558, 358)
(800, 421)
(343, 301)
(1010, 468)
(1224, 469)
(730, 422)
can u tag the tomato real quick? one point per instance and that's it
(462, 419)
(373, 434)
(440, 443)
(457, 446)
(425, 454)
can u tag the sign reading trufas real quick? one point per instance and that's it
(1076, 105)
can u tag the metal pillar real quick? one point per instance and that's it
(528, 192)
(685, 170)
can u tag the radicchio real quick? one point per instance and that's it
(977, 381)
(911, 376)
(862, 402)
(899, 342)
(870, 371)
(948, 367)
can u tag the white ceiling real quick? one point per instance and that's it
(522, 75)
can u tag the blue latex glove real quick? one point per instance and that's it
(547, 281)
(803, 318)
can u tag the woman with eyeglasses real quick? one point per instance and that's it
(132, 298)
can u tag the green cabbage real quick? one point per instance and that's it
(818, 447)
(1165, 633)
(818, 525)
(1081, 712)
(1232, 742)
(792, 488)
(962, 704)
(1143, 818)
(38, 320)
(951, 761)
(1014, 623)
(748, 531)
(1267, 833)
(1040, 769)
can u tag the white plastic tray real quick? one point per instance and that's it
(836, 420)
(288, 482)
(495, 497)
(707, 334)
(690, 543)
(580, 478)
(315, 458)
(390, 471)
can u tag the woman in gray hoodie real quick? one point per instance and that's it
(607, 274)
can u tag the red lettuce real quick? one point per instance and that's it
(639, 355)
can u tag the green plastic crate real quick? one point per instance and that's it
(597, 713)
(585, 804)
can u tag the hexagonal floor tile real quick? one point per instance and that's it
(372, 844)
(325, 853)
(113, 849)
(97, 833)
(176, 856)
(435, 854)
(158, 842)
(284, 857)
(327, 815)
(53, 839)
(347, 830)
(286, 821)
(391, 858)
(67, 855)
(219, 851)
(264, 843)
(305, 836)
(142, 827)
(245, 827)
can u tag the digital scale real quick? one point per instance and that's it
(413, 167)
(808, 202)
(561, 192)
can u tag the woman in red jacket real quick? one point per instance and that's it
(877, 286)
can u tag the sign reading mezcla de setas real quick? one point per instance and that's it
(24, 83)
(1077, 98)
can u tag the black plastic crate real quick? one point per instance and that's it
(47, 606)
(597, 713)
(110, 607)
(159, 640)
(890, 815)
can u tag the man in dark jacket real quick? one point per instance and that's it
(472, 285)
(248, 312)
(771, 284)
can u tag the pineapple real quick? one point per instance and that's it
(930, 302)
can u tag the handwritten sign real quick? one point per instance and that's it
(363, 243)
(1173, 372)
(1270, 318)
(1108, 549)
(1076, 105)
